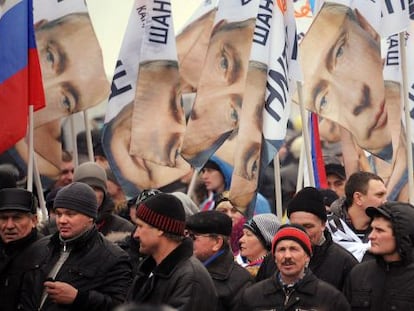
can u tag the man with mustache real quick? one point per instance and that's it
(293, 286)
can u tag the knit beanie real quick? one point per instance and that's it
(309, 200)
(190, 208)
(92, 174)
(79, 197)
(264, 227)
(295, 233)
(163, 211)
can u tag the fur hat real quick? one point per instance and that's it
(92, 174)
(79, 197)
(16, 199)
(163, 211)
(295, 233)
(264, 226)
(309, 200)
(212, 222)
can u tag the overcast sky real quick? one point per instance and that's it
(110, 18)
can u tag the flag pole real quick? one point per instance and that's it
(30, 150)
(407, 116)
(74, 143)
(33, 171)
(278, 187)
(306, 136)
(88, 135)
(299, 181)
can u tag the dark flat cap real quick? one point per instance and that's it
(212, 222)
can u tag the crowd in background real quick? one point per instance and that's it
(340, 248)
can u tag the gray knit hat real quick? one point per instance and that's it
(264, 226)
(79, 197)
(92, 174)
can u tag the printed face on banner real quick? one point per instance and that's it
(216, 111)
(72, 66)
(72, 71)
(158, 118)
(343, 82)
(132, 171)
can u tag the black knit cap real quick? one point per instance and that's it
(309, 200)
(212, 222)
(79, 197)
(16, 199)
(163, 211)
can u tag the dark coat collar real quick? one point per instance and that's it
(221, 267)
(170, 263)
(305, 286)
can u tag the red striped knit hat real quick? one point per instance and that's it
(163, 211)
(295, 233)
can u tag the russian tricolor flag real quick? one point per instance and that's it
(317, 155)
(20, 75)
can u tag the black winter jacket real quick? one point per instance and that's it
(12, 261)
(379, 285)
(331, 263)
(108, 222)
(308, 294)
(229, 279)
(97, 268)
(180, 281)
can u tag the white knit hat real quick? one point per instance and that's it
(264, 226)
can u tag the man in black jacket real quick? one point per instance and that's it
(170, 275)
(94, 175)
(386, 283)
(330, 262)
(76, 268)
(210, 232)
(17, 232)
(294, 286)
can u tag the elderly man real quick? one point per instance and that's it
(387, 282)
(17, 232)
(210, 232)
(76, 268)
(170, 275)
(294, 286)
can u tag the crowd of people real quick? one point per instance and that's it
(342, 248)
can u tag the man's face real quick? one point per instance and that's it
(72, 68)
(336, 184)
(212, 179)
(376, 194)
(16, 225)
(143, 174)
(204, 245)
(158, 121)
(148, 237)
(337, 56)
(100, 195)
(66, 174)
(382, 239)
(71, 223)
(221, 87)
(314, 225)
(250, 246)
(290, 260)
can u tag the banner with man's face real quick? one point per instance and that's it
(145, 119)
(343, 82)
(73, 75)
